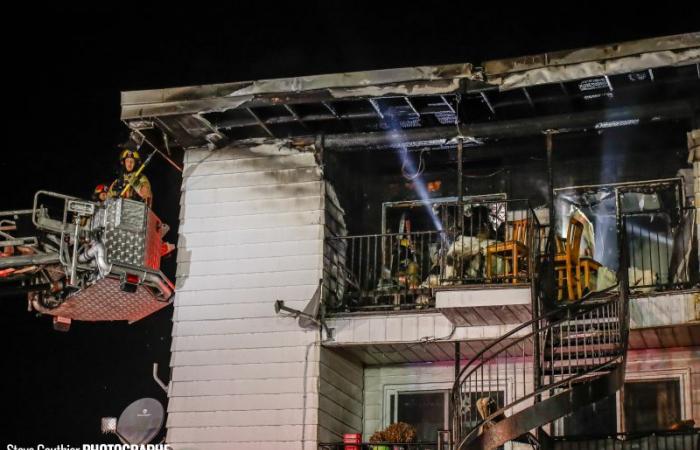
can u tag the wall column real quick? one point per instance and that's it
(694, 159)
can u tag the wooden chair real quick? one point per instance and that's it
(589, 266)
(559, 243)
(567, 262)
(511, 250)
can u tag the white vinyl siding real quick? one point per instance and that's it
(251, 232)
(341, 396)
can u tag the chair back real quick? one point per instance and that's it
(520, 231)
(560, 244)
(573, 239)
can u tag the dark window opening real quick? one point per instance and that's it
(652, 405)
(598, 419)
(424, 410)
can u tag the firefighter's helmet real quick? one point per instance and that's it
(127, 153)
(99, 189)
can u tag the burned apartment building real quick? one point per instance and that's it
(504, 252)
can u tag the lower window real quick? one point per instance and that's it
(598, 418)
(652, 405)
(427, 411)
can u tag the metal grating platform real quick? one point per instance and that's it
(104, 301)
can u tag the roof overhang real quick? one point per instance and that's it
(425, 80)
(600, 61)
(634, 83)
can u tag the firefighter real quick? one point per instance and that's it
(100, 193)
(132, 183)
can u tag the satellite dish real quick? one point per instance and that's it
(141, 421)
(309, 316)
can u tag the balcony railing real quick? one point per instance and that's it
(661, 440)
(493, 242)
(384, 446)
(498, 242)
(660, 248)
(657, 440)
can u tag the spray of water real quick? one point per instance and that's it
(410, 169)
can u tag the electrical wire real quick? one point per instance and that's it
(419, 170)
(157, 150)
(488, 175)
(421, 341)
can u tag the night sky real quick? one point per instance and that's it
(64, 71)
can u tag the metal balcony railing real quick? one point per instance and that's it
(657, 440)
(384, 446)
(493, 242)
(660, 248)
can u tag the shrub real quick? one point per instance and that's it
(398, 432)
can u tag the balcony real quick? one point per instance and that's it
(434, 296)
(495, 244)
(456, 287)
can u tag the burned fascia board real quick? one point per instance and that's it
(253, 148)
(423, 80)
(185, 130)
(612, 59)
(271, 146)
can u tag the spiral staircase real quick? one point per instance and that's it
(566, 358)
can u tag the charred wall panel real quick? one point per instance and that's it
(517, 167)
